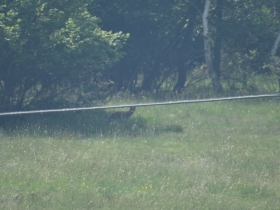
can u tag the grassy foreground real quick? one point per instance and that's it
(222, 155)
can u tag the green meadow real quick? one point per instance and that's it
(222, 155)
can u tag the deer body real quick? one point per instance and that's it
(122, 115)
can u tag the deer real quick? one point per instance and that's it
(122, 115)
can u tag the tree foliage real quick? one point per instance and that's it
(166, 39)
(49, 48)
(167, 43)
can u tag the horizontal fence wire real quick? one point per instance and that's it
(142, 104)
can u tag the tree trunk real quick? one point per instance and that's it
(274, 60)
(217, 56)
(182, 76)
(207, 48)
(148, 73)
(218, 39)
(184, 57)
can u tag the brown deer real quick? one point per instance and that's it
(122, 115)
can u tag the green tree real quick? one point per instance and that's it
(50, 48)
(165, 41)
(243, 33)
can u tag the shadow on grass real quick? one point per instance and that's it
(83, 124)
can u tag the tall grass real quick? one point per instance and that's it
(222, 155)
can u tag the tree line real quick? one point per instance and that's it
(64, 52)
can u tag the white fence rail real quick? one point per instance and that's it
(142, 104)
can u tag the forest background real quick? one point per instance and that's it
(66, 53)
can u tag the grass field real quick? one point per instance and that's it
(222, 155)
